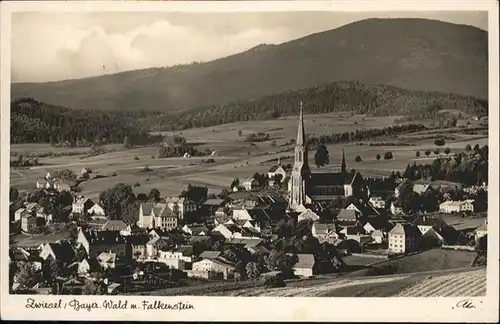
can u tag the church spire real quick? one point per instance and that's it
(344, 166)
(300, 133)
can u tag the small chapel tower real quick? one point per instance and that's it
(301, 173)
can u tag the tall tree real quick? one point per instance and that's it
(116, 199)
(344, 165)
(321, 157)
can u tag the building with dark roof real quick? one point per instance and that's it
(306, 187)
(156, 216)
(404, 238)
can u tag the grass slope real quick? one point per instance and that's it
(410, 53)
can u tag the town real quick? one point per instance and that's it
(282, 225)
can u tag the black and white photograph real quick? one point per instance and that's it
(242, 153)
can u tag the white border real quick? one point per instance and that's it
(264, 308)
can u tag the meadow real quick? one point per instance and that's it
(236, 158)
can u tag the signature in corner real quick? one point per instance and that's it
(466, 303)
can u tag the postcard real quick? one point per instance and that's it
(249, 161)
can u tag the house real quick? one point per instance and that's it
(85, 172)
(371, 224)
(347, 216)
(399, 187)
(210, 254)
(481, 231)
(231, 230)
(114, 288)
(195, 229)
(82, 205)
(276, 170)
(28, 222)
(180, 257)
(96, 212)
(21, 256)
(432, 238)
(212, 205)
(377, 202)
(357, 234)
(250, 184)
(115, 225)
(215, 265)
(72, 287)
(64, 187)
(404, 238)
(178, 264)
(180, 206)
(154, 245)
(18, 214)
(221, 212)
(251, 244)
(241, 214)
(325, 232)
(62, 251)
(96, 242)
(457, 206)
(425, 223)
(107, 260)
(308, 215)
(396, 208)
(82, 267)
(159, 215)
(362, 209)
(138, 245)
(378, 236)
(304, 266)
(223, 230)
(421, 188)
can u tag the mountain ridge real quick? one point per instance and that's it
(429, 55)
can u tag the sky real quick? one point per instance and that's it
(49, 46)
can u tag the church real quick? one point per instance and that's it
(306, 187)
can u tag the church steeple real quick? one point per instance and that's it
(300, 132)
(344, 166)
(301, 173)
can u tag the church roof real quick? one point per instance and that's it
(333, 178)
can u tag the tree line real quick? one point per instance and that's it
(33, 121)
(469, 168)
(332, 97)
(364, 134)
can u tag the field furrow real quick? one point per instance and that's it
(465, 284)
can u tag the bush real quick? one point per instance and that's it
(378, 157)
(388, 156)
(417, 154)
(136, 158)
(114, 174)
(439, 142)
(137, 184)
(428, 152)
(358, 158)
(468, 147)
(275, 282)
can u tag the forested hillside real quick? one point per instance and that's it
(34, 121)
(332, 97)
(37, 122)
